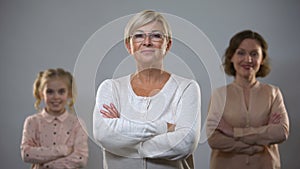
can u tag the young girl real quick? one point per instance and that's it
(54, 138)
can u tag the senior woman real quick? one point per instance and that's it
(149, 119)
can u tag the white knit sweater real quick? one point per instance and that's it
(139, 138)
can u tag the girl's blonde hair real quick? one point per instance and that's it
(44, 76)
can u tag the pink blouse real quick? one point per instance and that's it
(46, 141)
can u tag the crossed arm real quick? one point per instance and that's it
(110, 111)
(228, 130)
(224, 139)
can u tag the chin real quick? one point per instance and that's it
(58, 111)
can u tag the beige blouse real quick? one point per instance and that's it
(46, 140)
(255, 142)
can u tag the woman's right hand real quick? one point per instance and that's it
(255, 149)
(110, 111)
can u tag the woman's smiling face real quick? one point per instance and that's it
(247, 59)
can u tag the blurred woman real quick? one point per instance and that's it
(247, 119)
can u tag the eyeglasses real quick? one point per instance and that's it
(153, 36)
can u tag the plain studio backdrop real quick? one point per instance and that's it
(37, 35)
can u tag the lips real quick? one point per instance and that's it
(56, 103)
(247, 66)
(148, 51)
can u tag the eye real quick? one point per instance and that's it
(139, 36)
(240, 53)
(62, 91)
(254, 54)
(157, 35)
(49, 91)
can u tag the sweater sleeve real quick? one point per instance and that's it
(32, 151)
(184, 140)
(221, 142)
(271, 133)
(120, 136)
(78, 158)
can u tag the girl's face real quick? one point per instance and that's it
(55, 95)
(247, 59)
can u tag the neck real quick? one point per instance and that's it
(244, 82)
(55, 113)
(150, 75)
(150, 66)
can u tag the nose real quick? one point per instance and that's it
(147, 41)
(56, 95)
(248, 58)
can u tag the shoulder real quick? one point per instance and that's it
(75, 122)
(119, 82)
(184, 82)
(33, 119)
(223, 89)
(271, 89)
(74, 117)
(185, 86)
(268, 86)
(221, 92)
(34, 116)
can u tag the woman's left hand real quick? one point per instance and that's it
(171, 127)
(110, 111)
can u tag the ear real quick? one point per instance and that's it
(263, 61)
(231, 58)
(70, 95)
(128, 46)
(70, 91)
(41, 95)
(169, 44)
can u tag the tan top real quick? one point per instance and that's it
(255, 143)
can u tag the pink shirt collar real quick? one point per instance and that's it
(49, 118)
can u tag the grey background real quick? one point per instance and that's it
(40, 34)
